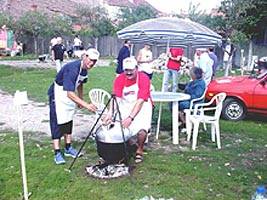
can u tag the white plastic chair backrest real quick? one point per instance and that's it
(197, 99)
(152, 88)
(219, 98)
(99, 97)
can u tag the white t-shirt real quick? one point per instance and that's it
(205, 63)
(77, 42)
(226, 55)
(146, 56)
(53, 41)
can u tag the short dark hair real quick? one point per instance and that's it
(126, 41)
(211, 49)
(198, 73)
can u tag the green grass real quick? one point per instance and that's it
(37, 81)
(24, 57)
(168, 171)
(201, 174)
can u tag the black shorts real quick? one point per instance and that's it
(65, 128)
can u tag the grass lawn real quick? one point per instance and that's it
(24, 57)
(168, 171)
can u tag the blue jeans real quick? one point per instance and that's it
(171, 74)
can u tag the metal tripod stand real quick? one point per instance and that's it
(114, 102)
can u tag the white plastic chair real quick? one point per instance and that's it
(99, 98)
(199, 116)
(189, 111)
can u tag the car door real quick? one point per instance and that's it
(260, 95)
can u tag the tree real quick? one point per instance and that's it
(94, 22)
(6, 20)
(35, 24)
(245, 19)
(214, 22)
(194, 13)
(130, 16)
(61, 25)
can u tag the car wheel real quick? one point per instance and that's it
(233, 109)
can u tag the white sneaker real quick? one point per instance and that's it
(183, 130)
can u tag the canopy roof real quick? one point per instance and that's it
(170, 30)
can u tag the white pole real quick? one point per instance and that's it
(22, 156)
(162, 89)
(158, 123)
(21, 98)
(167, 51)
(131, 50)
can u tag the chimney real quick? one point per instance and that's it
(34, 7)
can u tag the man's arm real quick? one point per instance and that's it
(177, 58)
(80, 93)
(53, 55)
(80, 102)
(136, 109)
(139, 56)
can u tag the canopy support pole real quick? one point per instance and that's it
(162, 88)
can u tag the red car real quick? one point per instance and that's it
(244, 94)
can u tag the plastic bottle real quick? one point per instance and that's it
(260, 194)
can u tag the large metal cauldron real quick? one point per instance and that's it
(110, 143)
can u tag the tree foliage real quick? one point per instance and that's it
(60, 25)
(6, 20)
(194, 13)
(94, 21)
(34, 23)
(130, 16)
(215, 23)
(244, 18)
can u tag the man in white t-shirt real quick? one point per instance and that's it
(77, 43)
(144, 60)
(53, 41)
(205, 63)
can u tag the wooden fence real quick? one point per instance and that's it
(109, 46)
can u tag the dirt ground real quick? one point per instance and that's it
(35, 115)
(44, 65)
(35, 118)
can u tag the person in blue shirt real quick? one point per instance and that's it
(215, 61)
(63, 100)
(194, 88)
(123, 53)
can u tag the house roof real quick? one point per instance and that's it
(120, 3)
(16, 8)
(130, 3)
(145, 3)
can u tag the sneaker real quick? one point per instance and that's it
(71, 152)
(183, 130)
(59, 160)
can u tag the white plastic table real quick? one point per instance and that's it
(170, 97)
